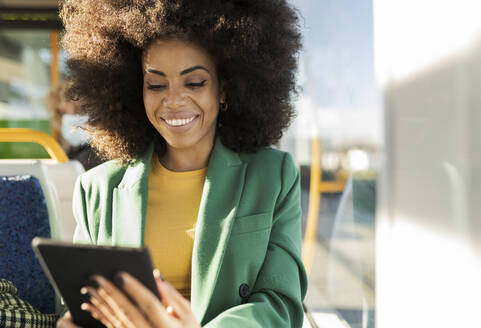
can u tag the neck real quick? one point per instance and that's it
(187, 159)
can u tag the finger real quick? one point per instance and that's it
(173, 298)
(122, 316)
(158, 281)
(66, 322)
(158, 277)
(103, 309)
(172, 295)
(148, 303)
(122, 307)
(177, 301)
(171, 307)
(170, 310)
(96, 314)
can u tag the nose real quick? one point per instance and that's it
(174, 98)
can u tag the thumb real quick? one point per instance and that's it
(158, 277)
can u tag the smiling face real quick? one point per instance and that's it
(181, 94)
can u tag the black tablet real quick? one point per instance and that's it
(69, 266)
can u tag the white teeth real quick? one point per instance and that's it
(180, 122)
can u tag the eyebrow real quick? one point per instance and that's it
(193, 68)
(185, 71)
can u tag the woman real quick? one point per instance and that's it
(185, 97)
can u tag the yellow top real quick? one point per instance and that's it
(173, 206)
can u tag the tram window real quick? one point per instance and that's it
(339, 124)
(25, 79)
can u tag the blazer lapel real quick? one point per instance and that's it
(220, 198)
(130, 203)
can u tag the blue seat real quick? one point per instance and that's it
(24, 215)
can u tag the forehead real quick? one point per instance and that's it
(175, 54)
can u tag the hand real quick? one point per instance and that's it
(114, 309)
(66, 322)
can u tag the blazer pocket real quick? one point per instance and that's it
(251, 223)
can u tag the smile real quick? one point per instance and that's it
(180, 122)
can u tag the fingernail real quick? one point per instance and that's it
(84, 291)
(119, 281)
(159, 275)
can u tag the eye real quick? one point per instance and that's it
(195, 85)
(155, 87)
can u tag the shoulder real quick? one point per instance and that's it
(270, 166)
(264, 155)
(269, 158)
(106, 174)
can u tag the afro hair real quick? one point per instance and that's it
(254, 44)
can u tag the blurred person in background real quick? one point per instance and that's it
(66, 121)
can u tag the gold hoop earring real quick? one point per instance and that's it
(223, 107)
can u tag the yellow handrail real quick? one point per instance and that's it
(28, 135)
(313, 211)
(317, 187)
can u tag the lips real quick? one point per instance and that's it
(178, 118)
(179, 122)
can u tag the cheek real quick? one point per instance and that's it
(149, 105)
(147, 99)
(210, 104)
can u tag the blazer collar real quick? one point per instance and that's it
(220, 198)
(137, 173)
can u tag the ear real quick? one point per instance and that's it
(222, 92)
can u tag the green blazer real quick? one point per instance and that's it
(246, 264)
